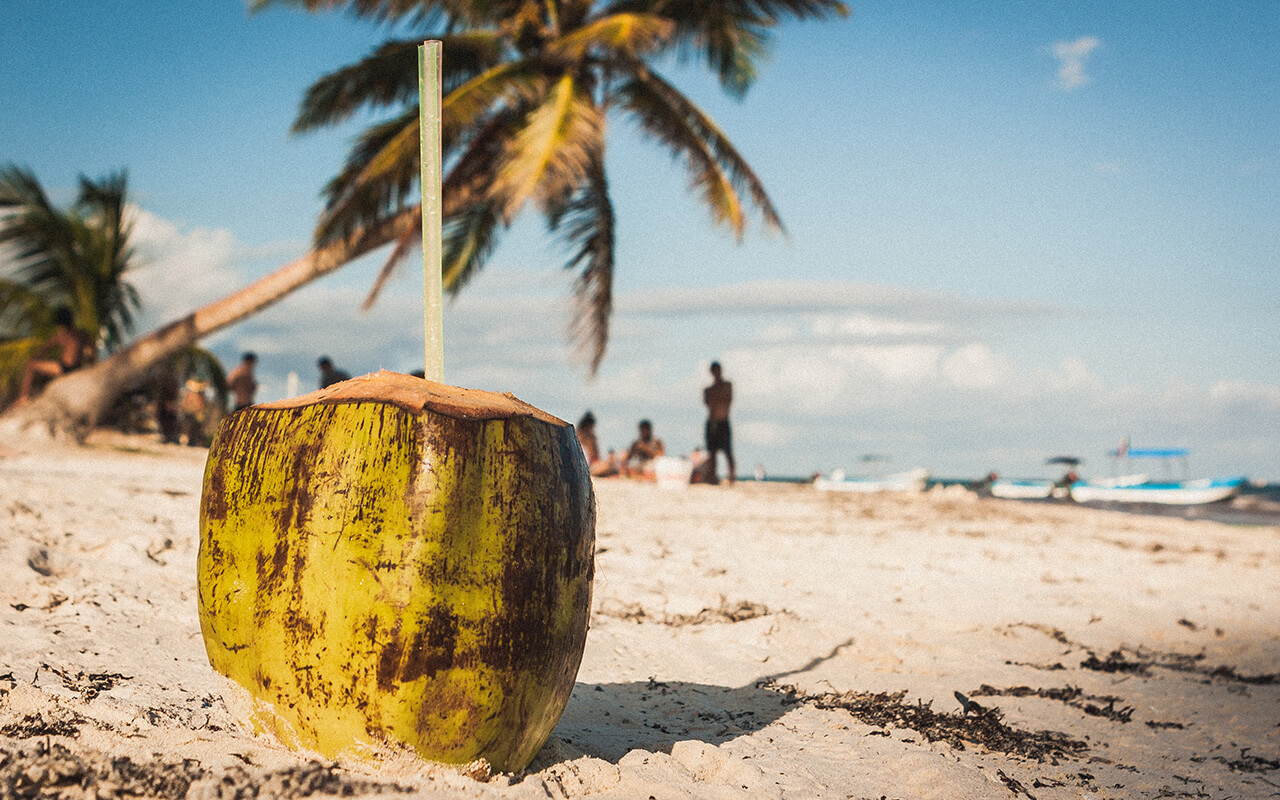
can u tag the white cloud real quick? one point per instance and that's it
(1246, 395)
(872, 326)
(1072, 376)
(181, 270)
(904, 364)
(778, 332)
(872, 308)
(764, 433)
(1072, 56)
(760, 296)
(975, 366)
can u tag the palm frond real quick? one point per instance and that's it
(776, 10)
(417, 13)
(78, 258)
(586, 222)
(625, 35)
(470, 219)
(470, 236)
(717, 170)
(399, 253)
(469, 177)
(468, 53)
(103, 228)
(386, 77)
(470, 103)
(354, 198)
(550, 155)
(23, 312)
(36, 236)
(382, 170)
(200, 364)
(731, 36)
(378, 10)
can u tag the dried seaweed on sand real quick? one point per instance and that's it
(975, 725)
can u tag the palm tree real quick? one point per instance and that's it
(529, 86)
(77, 258)
(73, 404)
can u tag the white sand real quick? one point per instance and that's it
(929, 595)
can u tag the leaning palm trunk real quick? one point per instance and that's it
(71, 405)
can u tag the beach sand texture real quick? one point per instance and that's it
(758, 641)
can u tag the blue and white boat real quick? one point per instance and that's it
(1141, 488)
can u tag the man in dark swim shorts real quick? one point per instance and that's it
(717, 397)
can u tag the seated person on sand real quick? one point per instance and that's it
(599, 467)
(701, 466)
(68, 349)
(643, 451)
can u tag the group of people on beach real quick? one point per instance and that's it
(189, 412)
(641, 457)
(244, 386)
(196, 412)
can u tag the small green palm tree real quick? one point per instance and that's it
(529, 87)
(50, 257)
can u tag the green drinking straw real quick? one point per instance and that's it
(432, 213)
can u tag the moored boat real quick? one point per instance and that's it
(1141, 488)
(1022, 489)
(1036, 488)
(910, 481)
(1180, 493)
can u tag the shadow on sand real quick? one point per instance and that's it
(608, 720)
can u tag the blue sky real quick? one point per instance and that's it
(1014, 230)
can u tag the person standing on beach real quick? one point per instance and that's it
(329, 374)
(242, 383)
(717, 397)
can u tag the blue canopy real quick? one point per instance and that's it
(1152, 452)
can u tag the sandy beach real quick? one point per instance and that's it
(754, 641)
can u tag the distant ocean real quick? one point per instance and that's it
(1255, 505)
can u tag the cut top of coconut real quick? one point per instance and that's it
(418, 394)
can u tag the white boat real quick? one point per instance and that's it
(1022, 488)
(1141, 488)
(1177, 493)
(909, 481)
(1036, 488)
